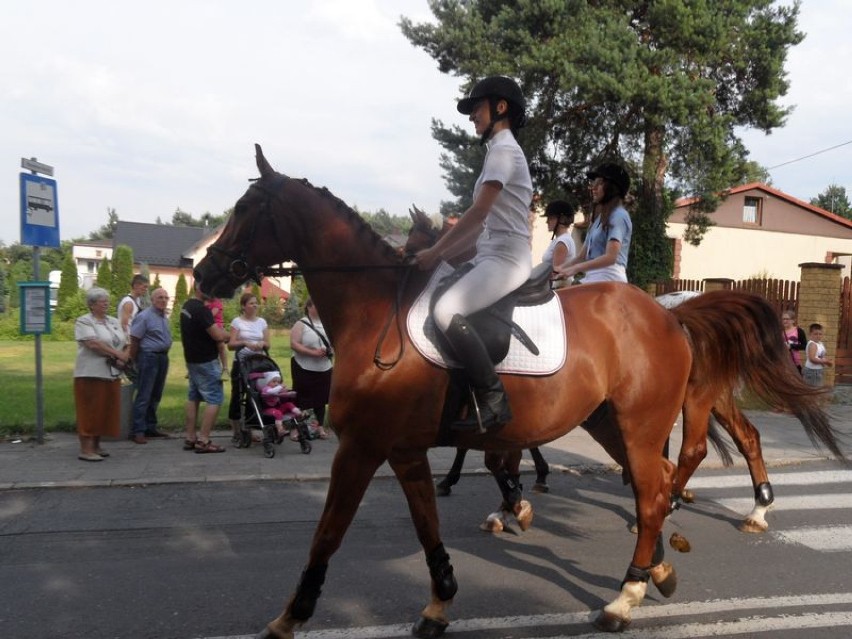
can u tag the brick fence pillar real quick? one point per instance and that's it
(718, 284)
(819, 302)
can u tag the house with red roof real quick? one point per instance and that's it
(761, 232)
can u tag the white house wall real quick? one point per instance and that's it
(744, 253)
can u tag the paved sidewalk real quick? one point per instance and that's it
(27, 464)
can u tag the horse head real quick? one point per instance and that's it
(238, 255)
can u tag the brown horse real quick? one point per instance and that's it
(617, 335)
(761, 364)
(757, 372)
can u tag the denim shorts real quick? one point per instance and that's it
(205, 383)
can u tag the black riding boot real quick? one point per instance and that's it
(489, 409)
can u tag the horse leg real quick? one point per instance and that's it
(351, 472)
(505, 468)
(651, 479)
(411, 468)
(542, 470)
(693, 447)
(445, 486)
(747, 439)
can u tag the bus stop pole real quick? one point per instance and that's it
(38, 371)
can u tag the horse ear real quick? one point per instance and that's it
(262, 164)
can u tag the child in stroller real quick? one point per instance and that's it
(268, 405)
(277, 401)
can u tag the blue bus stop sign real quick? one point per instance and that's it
(39, 211)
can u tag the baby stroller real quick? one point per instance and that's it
(252, 368)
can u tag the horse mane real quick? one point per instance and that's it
(362, 228)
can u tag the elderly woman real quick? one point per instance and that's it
(101, 352)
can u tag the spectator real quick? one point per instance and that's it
(218, 311)
(150, 341)
(201, 337)
(311, 364)
(795, 337)
(277, 401)
(101, 356)
(131, 303)
(816, 362)
(249, 334)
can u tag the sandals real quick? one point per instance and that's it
(189, 444)
(207, 447)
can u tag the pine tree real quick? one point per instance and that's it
(662, 87)
(122, 270)
(180, 296)
(104, 279)
(67, 301)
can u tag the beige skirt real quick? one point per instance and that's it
(98, 406)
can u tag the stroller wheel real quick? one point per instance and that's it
(305, 445)
(245, 439)
(269, 450)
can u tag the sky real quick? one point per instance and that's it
(149, 107)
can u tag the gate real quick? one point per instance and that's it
(843, 357)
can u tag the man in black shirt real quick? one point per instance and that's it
(201, 337)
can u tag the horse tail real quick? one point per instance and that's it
(736, 339)
(723, 448)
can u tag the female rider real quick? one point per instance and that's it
(603, 256)
(497, 223)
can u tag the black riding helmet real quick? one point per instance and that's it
(494, 88)
(614, 173)
(561, 209)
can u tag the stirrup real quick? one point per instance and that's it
(483, 420)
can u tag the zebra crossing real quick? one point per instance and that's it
(826, 538)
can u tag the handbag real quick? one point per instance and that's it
(329, 352)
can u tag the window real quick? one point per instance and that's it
(90, 267)
(753, 211)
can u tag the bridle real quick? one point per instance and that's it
(238, 267)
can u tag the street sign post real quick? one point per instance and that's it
(39, 227)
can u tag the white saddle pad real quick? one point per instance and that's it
(544, 324)
(670, 300)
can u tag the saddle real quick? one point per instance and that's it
(494, 324)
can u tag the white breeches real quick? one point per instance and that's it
(612, 273)
(503, 262)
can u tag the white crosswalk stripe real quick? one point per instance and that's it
(779, 479)
(828, 538)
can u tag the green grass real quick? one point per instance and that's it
(18, 385)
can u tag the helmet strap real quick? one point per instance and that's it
(494, 117)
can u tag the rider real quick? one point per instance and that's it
(498, 224)
(560, 217)
(603, 256)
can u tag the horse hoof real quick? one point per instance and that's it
(426, 628)
(752, 526)
(608, 622)
(634, 528)
(442, 490)
(541, 487)
(665, 579)
(493, 523)
(679, 543)
(525, 515)
(266, 633)
(687, 496)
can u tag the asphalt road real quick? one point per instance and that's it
(192, 561)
